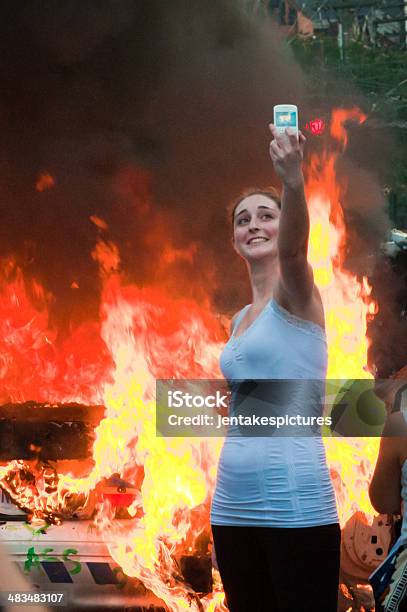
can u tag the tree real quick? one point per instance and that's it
(379, 76)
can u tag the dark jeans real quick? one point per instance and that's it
(270, 569)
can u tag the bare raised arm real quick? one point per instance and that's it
(297, 281)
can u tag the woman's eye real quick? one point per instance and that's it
(242, 220)
(267, 216)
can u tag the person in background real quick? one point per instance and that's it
(388, 494)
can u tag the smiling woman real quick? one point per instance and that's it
(255, 222)
(274, 506)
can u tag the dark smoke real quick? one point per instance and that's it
(152, 116)
(126, 102)
(388, 331)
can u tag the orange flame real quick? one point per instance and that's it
(44, 181)
(348, 308)
(340, 117)
(100, 223)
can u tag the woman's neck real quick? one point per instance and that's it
(264, 276)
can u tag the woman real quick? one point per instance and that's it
(273, 516)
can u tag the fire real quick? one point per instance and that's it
(338, 124)
(348, 307)
(143, 334)
(44, 181)
(346, 300)
(100, 223)
(145, 347)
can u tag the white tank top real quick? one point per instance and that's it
(275, 481)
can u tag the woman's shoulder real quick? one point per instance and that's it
(236, 316)
(312, 311)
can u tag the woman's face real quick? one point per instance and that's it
(255, 227)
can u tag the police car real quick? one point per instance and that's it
(71, 559)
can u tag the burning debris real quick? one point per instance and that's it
(48, 432)
(33, 487)
(163, 507)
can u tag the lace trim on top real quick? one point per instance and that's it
(308, 327)
(303, 324)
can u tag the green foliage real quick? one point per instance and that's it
(380, 76)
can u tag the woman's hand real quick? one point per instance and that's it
(286, 152)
